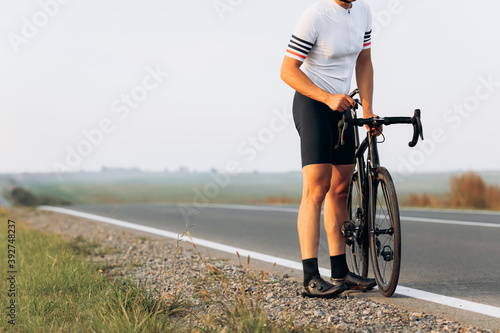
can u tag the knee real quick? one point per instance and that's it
(339, 191)
(316, 191)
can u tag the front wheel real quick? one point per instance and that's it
(385, 232)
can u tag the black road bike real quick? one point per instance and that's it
(372, 204)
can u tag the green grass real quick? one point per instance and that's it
(59, 290)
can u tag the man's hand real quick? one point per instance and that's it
(339, 102)
(377, 130)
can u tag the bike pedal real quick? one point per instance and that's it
(387, 253)
(349, 229)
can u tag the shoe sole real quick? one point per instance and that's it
(361, 288)
(338, 292)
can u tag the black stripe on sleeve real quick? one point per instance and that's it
(297, 49)
(301, 47)
(303, 41)
(368, 36)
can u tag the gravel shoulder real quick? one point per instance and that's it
(169, 266)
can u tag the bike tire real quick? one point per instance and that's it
(385, 232)
(358, 249)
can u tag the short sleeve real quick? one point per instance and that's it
(367, 42)
(304, 36)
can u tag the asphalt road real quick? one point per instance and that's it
(441, 254)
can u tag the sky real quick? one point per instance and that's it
(160, 85)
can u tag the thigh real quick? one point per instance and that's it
(314, 124)
(317, 175)
(341, 176)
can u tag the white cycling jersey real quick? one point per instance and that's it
(328, 39)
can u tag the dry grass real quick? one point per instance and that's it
(423, 200)
(466, 191)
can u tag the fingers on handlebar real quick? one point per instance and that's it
(346, 103)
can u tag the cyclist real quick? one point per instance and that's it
(332, 38)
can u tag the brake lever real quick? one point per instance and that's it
(347, 116)
(343, 123)
(344, 126)
(354, 92)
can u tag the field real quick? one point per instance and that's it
(167, 187)
(124, 186)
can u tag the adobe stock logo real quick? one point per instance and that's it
(31, 27)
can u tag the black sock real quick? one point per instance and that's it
(310, 267)
(339, 266)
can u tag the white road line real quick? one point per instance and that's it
(450, 210)
(410, 292)
(440, 221)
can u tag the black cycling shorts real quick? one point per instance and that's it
(318, 127)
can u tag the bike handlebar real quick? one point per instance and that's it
(418, 130)
(376, 121)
